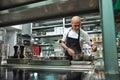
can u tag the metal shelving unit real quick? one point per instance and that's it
(45, 33)
(43, 27)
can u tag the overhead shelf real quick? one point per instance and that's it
(50, 10)
(7, 4)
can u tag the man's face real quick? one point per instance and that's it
(76, 26)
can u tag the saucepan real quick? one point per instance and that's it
(77, 57)
(82, 57)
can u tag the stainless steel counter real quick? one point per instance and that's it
(39, 72)
(77, 68)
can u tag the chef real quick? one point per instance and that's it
(74, 37)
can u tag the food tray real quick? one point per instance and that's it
(81, 62)
(18, 61)
(50, 62)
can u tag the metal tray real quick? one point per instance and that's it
(18, 61)
(81, 62)
(50, 62)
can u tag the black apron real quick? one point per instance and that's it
(73, 44)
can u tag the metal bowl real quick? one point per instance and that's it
(83, 57)
(77, 57)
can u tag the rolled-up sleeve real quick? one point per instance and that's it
(65, 35)
(86, 38)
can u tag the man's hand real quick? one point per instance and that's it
(70, 51)
(94, 48)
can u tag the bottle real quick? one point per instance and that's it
(100, 51)
(22, 51)
(15, 51)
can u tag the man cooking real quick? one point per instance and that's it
(74, 37)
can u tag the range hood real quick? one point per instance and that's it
(47, 10)
(6, 4)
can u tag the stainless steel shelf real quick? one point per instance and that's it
(94, 32)
(46, 36)
(45, 27)
(45, 44)
(47, 49)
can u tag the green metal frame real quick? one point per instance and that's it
(109, 39)
(117, 5)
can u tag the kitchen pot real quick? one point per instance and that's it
(82, 57)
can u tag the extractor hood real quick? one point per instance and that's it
(6, 4)
(47, 9)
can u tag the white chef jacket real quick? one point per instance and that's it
(84, 37)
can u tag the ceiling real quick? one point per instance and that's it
(14, 12)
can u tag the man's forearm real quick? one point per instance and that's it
(64, 45)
